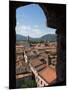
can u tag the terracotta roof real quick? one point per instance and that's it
(23, 63)
(19, 46)
(23, 75)
(40, 67)
(48, 74)
(35, 62)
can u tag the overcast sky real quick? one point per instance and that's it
(31, 21)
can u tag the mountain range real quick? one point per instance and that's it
(48, 37)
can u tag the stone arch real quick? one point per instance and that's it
(56, 18)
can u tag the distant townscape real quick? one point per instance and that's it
(36, 60)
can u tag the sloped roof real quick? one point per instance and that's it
(48, 74)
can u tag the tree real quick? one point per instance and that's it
(28, 84)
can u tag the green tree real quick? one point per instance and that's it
(28, 84)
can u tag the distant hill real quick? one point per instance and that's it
(20, 37)
(48, 37)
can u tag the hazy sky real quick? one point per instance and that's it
(31, 21)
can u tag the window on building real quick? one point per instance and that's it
(44, 85)
(41, 82)
(38, 79)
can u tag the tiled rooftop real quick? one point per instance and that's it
(35, 62)
(48, 74)
(44, 71)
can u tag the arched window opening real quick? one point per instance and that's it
(32, 34)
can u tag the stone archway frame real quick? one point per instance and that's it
(56, 18)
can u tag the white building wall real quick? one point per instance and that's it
(40, 82)
(25, 56)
